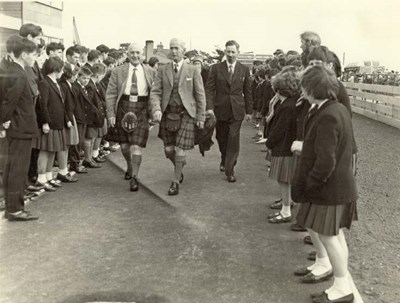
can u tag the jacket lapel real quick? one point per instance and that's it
(169, 71)
(55, 88)
(224, 67)
(236, 72)
(146, 76)
(182, 74)
(124, 77)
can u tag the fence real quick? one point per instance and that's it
(378, 102)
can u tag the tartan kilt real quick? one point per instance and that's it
(140, 134)
(182, 138)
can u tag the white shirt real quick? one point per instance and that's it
(143, 89)
(233, 66)
(180, 63)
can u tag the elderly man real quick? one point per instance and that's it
(178, 102)
(127, 99)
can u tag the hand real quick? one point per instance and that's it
(248, 117)
(157, 116)
(7, 124)
(211, 112)
(297, 147)
(2, 133)
(46, 128)
(200, 124)
(69, 124)
(111, 121)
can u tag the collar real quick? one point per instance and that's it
(139, 66)
(322, 103)
(180, 63)
(22, 66)
(233, 64)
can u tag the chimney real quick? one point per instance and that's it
(160, 47)
(149, 49)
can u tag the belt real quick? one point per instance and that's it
(133, 98)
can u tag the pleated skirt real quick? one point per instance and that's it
(327, 219)
(96, 132)
(282, 169)
(71, 134)
(53, 141)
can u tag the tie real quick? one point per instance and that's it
(85, 91)
(230, 73)
(312, 112)
(134, 88)
(176, 67)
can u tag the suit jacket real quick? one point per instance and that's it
(18, 105)
(191, 90)
(229, 99)
(70, 100)
(117, 83)
(50, 107)
(282, 128)
(85, 111)
(324, 174)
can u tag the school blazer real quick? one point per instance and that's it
(50, 107)
(69, 99)
(191, 90)
(18, 104)
(324, 174)
(227, 98)
(85, 111)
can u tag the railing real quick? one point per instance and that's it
(378, 102)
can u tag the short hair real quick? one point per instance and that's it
(110, 60)
(68, 72)
(98, 69)
(325, 55)
(11, 41)
(274, 63)
(286, 82)
(311, 38)
(53, 64)
(84, 71)
(153, 61)
(116, 54)
(72, 50)
(320, 82)
(82, 49)
(232, 43)
(30, 29)
(103, 48)
(23, 45)
(93, 55)
(272, 72)
(52, 46)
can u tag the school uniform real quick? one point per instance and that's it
(94, 117)
(17, 107)
(82, 101)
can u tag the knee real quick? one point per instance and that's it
(125, 148)
(136, 150)
(180, 152)
(169, 152)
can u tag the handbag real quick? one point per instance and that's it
(173, 122)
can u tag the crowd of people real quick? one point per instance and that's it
(391, 78)
(74, 113)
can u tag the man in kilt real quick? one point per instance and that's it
(127, 100)
(178, 102)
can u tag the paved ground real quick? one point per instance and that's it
(96, 241)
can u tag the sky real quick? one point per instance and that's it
(354, 29)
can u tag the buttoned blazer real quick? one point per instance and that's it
(70, 100)
(18, 104)
(229, 98)
(324, 174)
(83, 104)
(117, 83)
(191, 90)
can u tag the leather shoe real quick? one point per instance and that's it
(80, 170)
(99, 159)
(54, 183)
(134, 184)
(310, 278)
(47, 186)
(312, 256)
(181, 179)
(307, 240)
(91, 164)
(128, 175)
(231, 179)
(324, 299)
(221, 168)
(174, 189)
(297, 227)
(21, 216)
(302, 271)
(35, 187)
(67, 178)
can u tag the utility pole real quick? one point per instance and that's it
(344, 58)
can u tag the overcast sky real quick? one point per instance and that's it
(362, 30)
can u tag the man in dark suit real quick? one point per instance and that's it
(228, 92)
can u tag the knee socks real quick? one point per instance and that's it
(180, 161)
(170, 154)
(136, 161)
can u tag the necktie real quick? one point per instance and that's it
(230, 72)
(312, 111)
(176, 68)
(134, 88)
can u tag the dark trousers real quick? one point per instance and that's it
(3, 156)
(33, 165)
(228, 137)
(73, 157)
(15, 172)
(82, 134)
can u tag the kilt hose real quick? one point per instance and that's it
(140, 134)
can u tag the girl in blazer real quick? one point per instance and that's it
(52, 121)
(325, 181)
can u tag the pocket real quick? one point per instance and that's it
(173, 122)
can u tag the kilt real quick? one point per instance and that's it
(140, 134)
(53, 141)
(71, 134)
(183, 137)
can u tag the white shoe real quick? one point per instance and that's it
(261, 141)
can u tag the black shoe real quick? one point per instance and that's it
(221, 168)
(302, 271)
(21, 216)
(67, 178)
(174, 189)
(128, 175)
(297, 227)
(80, 170)
(54, 183)
(231, 179)
(324, 299)
(134, 184)
(310, 278)
(99, 159)
(47, 186)
(307, 240)
(91, 164)
(312, 256)
(181, 179)
(35, 187)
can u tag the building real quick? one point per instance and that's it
(47, 14)
(160, 53)
(249, 57)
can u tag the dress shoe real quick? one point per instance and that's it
(47, 186)
(280, 219)
(302, 271)
(80, 170)
(307, 240)
(174, 189)
(278, 204)
(21, 216)
(91, 164)
(231, 179)
(35, 187)
(297, 227)
(221, 168)
(99, 159)
(67, 178)
(54, 183)
(310, 278)
(324, 299)
(134, 184)
(104, 153)
(128, 175)
(312, 255)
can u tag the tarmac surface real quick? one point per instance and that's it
(96, 241)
